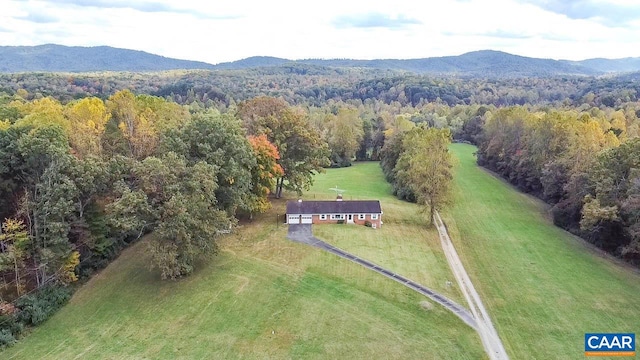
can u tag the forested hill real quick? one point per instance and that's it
(485, 63)
(58, 58)
(609, 65)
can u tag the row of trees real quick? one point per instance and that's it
(583, 163)
(419, 166)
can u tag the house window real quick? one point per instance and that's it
(360, 216)
(323, 217)
(374, 216)
(337, 217)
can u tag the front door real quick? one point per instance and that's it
(350, 218)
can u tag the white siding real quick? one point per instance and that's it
(294, 219)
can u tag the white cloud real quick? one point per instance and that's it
(226, 31)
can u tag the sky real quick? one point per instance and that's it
(219, 31)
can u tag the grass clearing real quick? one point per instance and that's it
(261, 297)
(404, 244)
(543, 287)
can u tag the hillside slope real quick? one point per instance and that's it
(267, 297)
(58, 58)
(610, 65)
(484, 63)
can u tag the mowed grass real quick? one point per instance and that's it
(543, 287)
(404, 244)
(262, 297)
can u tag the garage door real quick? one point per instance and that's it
(307, 219)
(294, 219)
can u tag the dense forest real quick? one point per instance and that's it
(80, 181)
(301, 84)
(90, 163)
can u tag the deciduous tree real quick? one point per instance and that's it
(219, 140)
(265, 173)
(87, 118)
(14, 245)
(426, 167)
(302, 151)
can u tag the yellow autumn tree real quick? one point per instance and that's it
(68, 272)
(16, 240)
(43, 112)
(142, 119)
(87, 118)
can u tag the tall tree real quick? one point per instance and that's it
(265, 173)
(87, 118)
(141, 140)
(302, 151)
(345, 134)
(44, 112)
(176, 200)
(389, 156)
(143, 119)
(220, 141)
(14, 245)
(426, 166)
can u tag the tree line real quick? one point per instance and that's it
(584, 163)
(81, 181)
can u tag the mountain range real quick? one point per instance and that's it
(484, 63)
(58, 58)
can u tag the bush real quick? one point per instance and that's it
(340, 222)
(6, 338)
(11, 324)
(33, 309)
(368, 223)
(38, 307)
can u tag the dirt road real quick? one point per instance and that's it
(488, 334)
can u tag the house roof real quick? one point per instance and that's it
(334, 207)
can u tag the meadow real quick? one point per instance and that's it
(266, 297)
(543, 287)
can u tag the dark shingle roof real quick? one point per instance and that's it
(334, 207)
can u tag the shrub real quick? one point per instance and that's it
(340, 222)
(38, 307)
(368, 223)
(6, 338)
(11, 324)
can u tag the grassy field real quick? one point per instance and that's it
(267, 297)
(543, 287)
(404, 244)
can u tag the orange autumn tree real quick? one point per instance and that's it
(264, 175)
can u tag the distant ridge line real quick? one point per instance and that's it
(481, 63)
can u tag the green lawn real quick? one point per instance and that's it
(266, 297)
(404, 244)
(543, 287)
